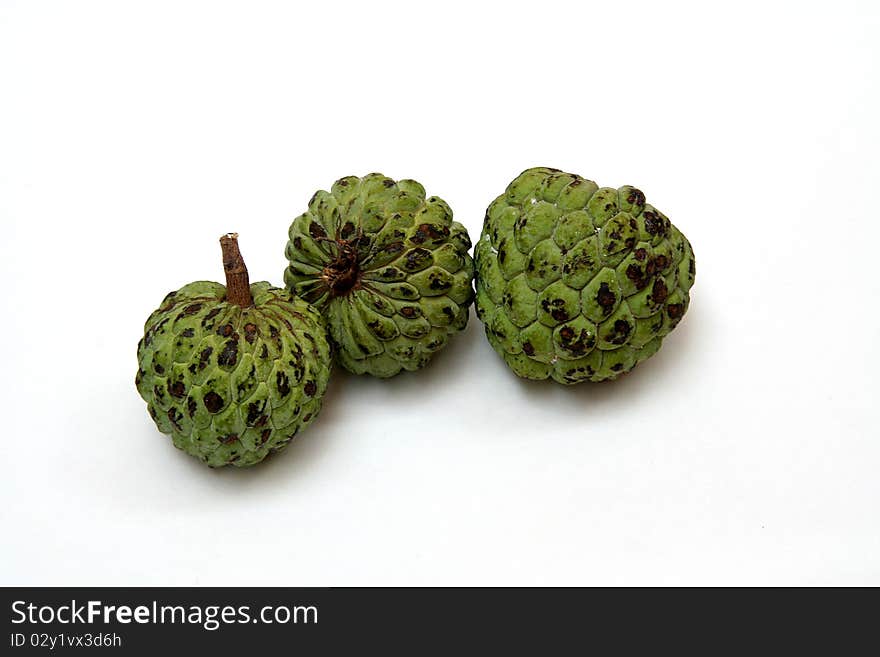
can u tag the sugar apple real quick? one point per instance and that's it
(577, 282)
(233, 373)
(388, 268)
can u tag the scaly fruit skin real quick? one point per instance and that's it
(229, 384)
(577, 282)
(389, 269)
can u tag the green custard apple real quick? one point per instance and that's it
(232, 373)
(577, 282)
(387, 267)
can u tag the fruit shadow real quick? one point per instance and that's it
(329, 430)
(469, 354)
(447, 366)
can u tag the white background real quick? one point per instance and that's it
(746, 452)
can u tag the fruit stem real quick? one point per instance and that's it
(238, 289)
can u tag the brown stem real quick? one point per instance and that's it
(238, 289)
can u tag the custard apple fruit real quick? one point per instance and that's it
(387, 267)
(577, 282)
(232, 373)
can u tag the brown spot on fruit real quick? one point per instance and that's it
(640, 254)
(255, 412)
(177, 389)
(620, 332)
(213, 402)
(282, 382)
(528, 348)
(229, 356)
(429, 231)
(174, 416)
(317, 231)
(204, 357)
(417, 258)
(192, 309)
(661, 262)
(636, 197)
(675, 310)
(637, 276)
(576, 345)
(250, 332)
(659, 291)
(211, 315)
(555, 308)
(408, 312)
(187, 333)
(393, 248)
(228, 439)
(310, 388)
(605, 297)
(191, 407)
(654, 224)
(264, 436)
(225, 330)
(438, 283)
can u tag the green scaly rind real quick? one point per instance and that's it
(416, 285)
(575, 282)
(231, 385)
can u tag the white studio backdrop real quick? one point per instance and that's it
(132, 135)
